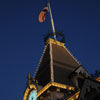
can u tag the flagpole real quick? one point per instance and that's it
(52, 22)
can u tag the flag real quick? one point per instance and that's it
(42, 14)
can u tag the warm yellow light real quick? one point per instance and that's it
(43, 89)
(98, 79)
(56, 85)
(31, 86)
(75, 96)
(59, 85)
(54, 42)
(69, 88)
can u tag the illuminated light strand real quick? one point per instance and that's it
(43, 89)
(25, 95)
(63, 86)
(41, 59)
(71, 55)
(59, 85)
(54, 42)
(75, 96)
(98, 79)
(56, 85)
(51, 63)
(31, 86)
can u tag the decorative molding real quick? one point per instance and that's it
(75, 96)
(63, 86)
(28, 90)
(51, 62)
(54, 42)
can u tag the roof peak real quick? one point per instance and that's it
(53, 41)
(59, 37)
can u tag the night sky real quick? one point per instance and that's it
(22, 44)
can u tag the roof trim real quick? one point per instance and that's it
(72, 55)
(51, 63)
(75, 96)
(40, 60)
(54, 42)
(55, 85)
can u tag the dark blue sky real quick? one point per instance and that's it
(21, 38)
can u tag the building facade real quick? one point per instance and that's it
(59, 76)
